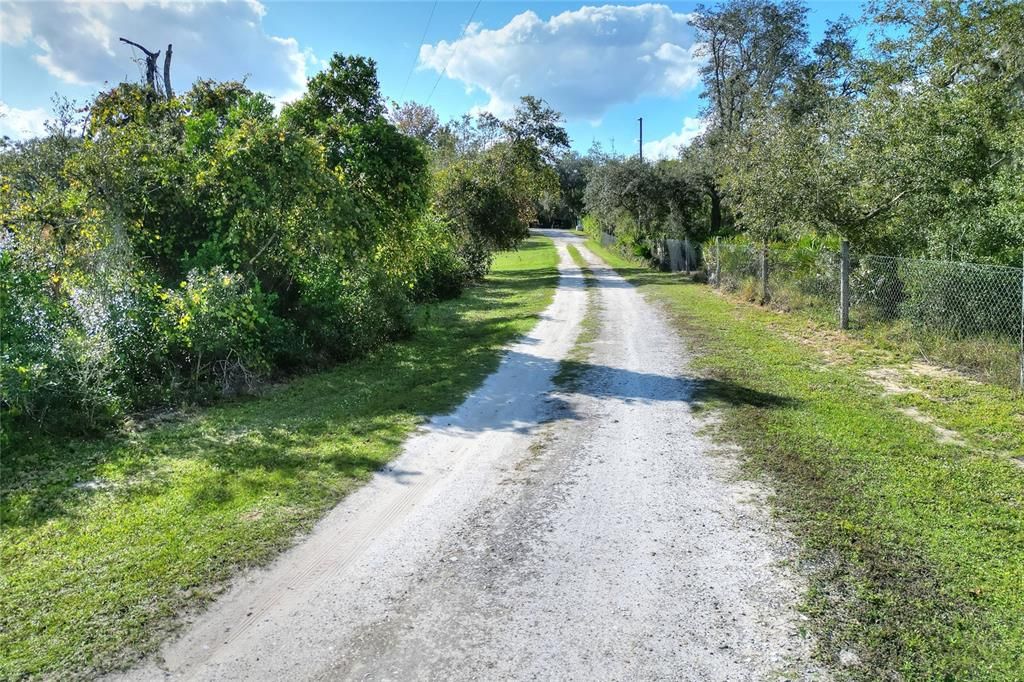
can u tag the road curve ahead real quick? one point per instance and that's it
(580, 531)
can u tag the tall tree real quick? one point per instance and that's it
(417, 120)
(753, 48)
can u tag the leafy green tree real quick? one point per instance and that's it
(194, 244)
(912, 149)
(639, 202)
(947, 84)
(493, 175)
(567, 207)
(534, 122)
(626, 195)
(417, 120)
(345, 93)
(753, 47)
(683, 200)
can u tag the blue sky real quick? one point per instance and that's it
(603, 65)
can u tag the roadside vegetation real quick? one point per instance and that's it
(217, 317)
(165, 258)
(906, 488)
(898, 131)
(106, 541)
(160, 250)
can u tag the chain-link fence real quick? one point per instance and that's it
(965, 315)
(734, 268)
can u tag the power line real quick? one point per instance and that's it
(416, 58)
(464, 29)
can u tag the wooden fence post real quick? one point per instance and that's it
(764, 274)
(1022, 325)
(718, 263)
(844, 285)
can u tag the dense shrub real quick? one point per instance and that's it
(218, 328)
(341, 317)
(190, 247)
(34, 325)
(961, 299)
(443, 271)
(184, 248)
(71, 354)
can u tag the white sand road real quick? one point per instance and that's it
(587, 533)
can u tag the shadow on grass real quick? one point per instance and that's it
(714, 392)
(600, 381)
(318, 424)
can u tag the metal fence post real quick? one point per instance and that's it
(844, 285)
(1022, 324)
(718, 263)
(764, 273)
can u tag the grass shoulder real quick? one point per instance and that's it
(105, 542)
(914, 541)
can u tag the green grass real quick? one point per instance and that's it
(914, 547)
(93, 576)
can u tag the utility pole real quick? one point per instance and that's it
(641, 119)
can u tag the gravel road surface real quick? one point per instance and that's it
(581, 531)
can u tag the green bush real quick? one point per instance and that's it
(960, 299)
(75, 355)
(591, 227)
(341, 318)
(442, 275)
(33, 325)
(218, 328)
(442, 272)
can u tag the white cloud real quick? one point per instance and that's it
(668, 146)
(582, 61)
(22, 123)
(77, 41)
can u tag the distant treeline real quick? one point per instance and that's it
(901, 131)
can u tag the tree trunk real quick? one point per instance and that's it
(168, 93)
(716, 211)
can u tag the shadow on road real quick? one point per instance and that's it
(503, 405)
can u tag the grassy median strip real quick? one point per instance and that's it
(104, 542)
(572, 367)
(914, 535)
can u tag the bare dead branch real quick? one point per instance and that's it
(151, 58)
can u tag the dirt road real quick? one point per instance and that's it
(586, 531)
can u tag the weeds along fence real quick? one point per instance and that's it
(964, 315)
(672, 255)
